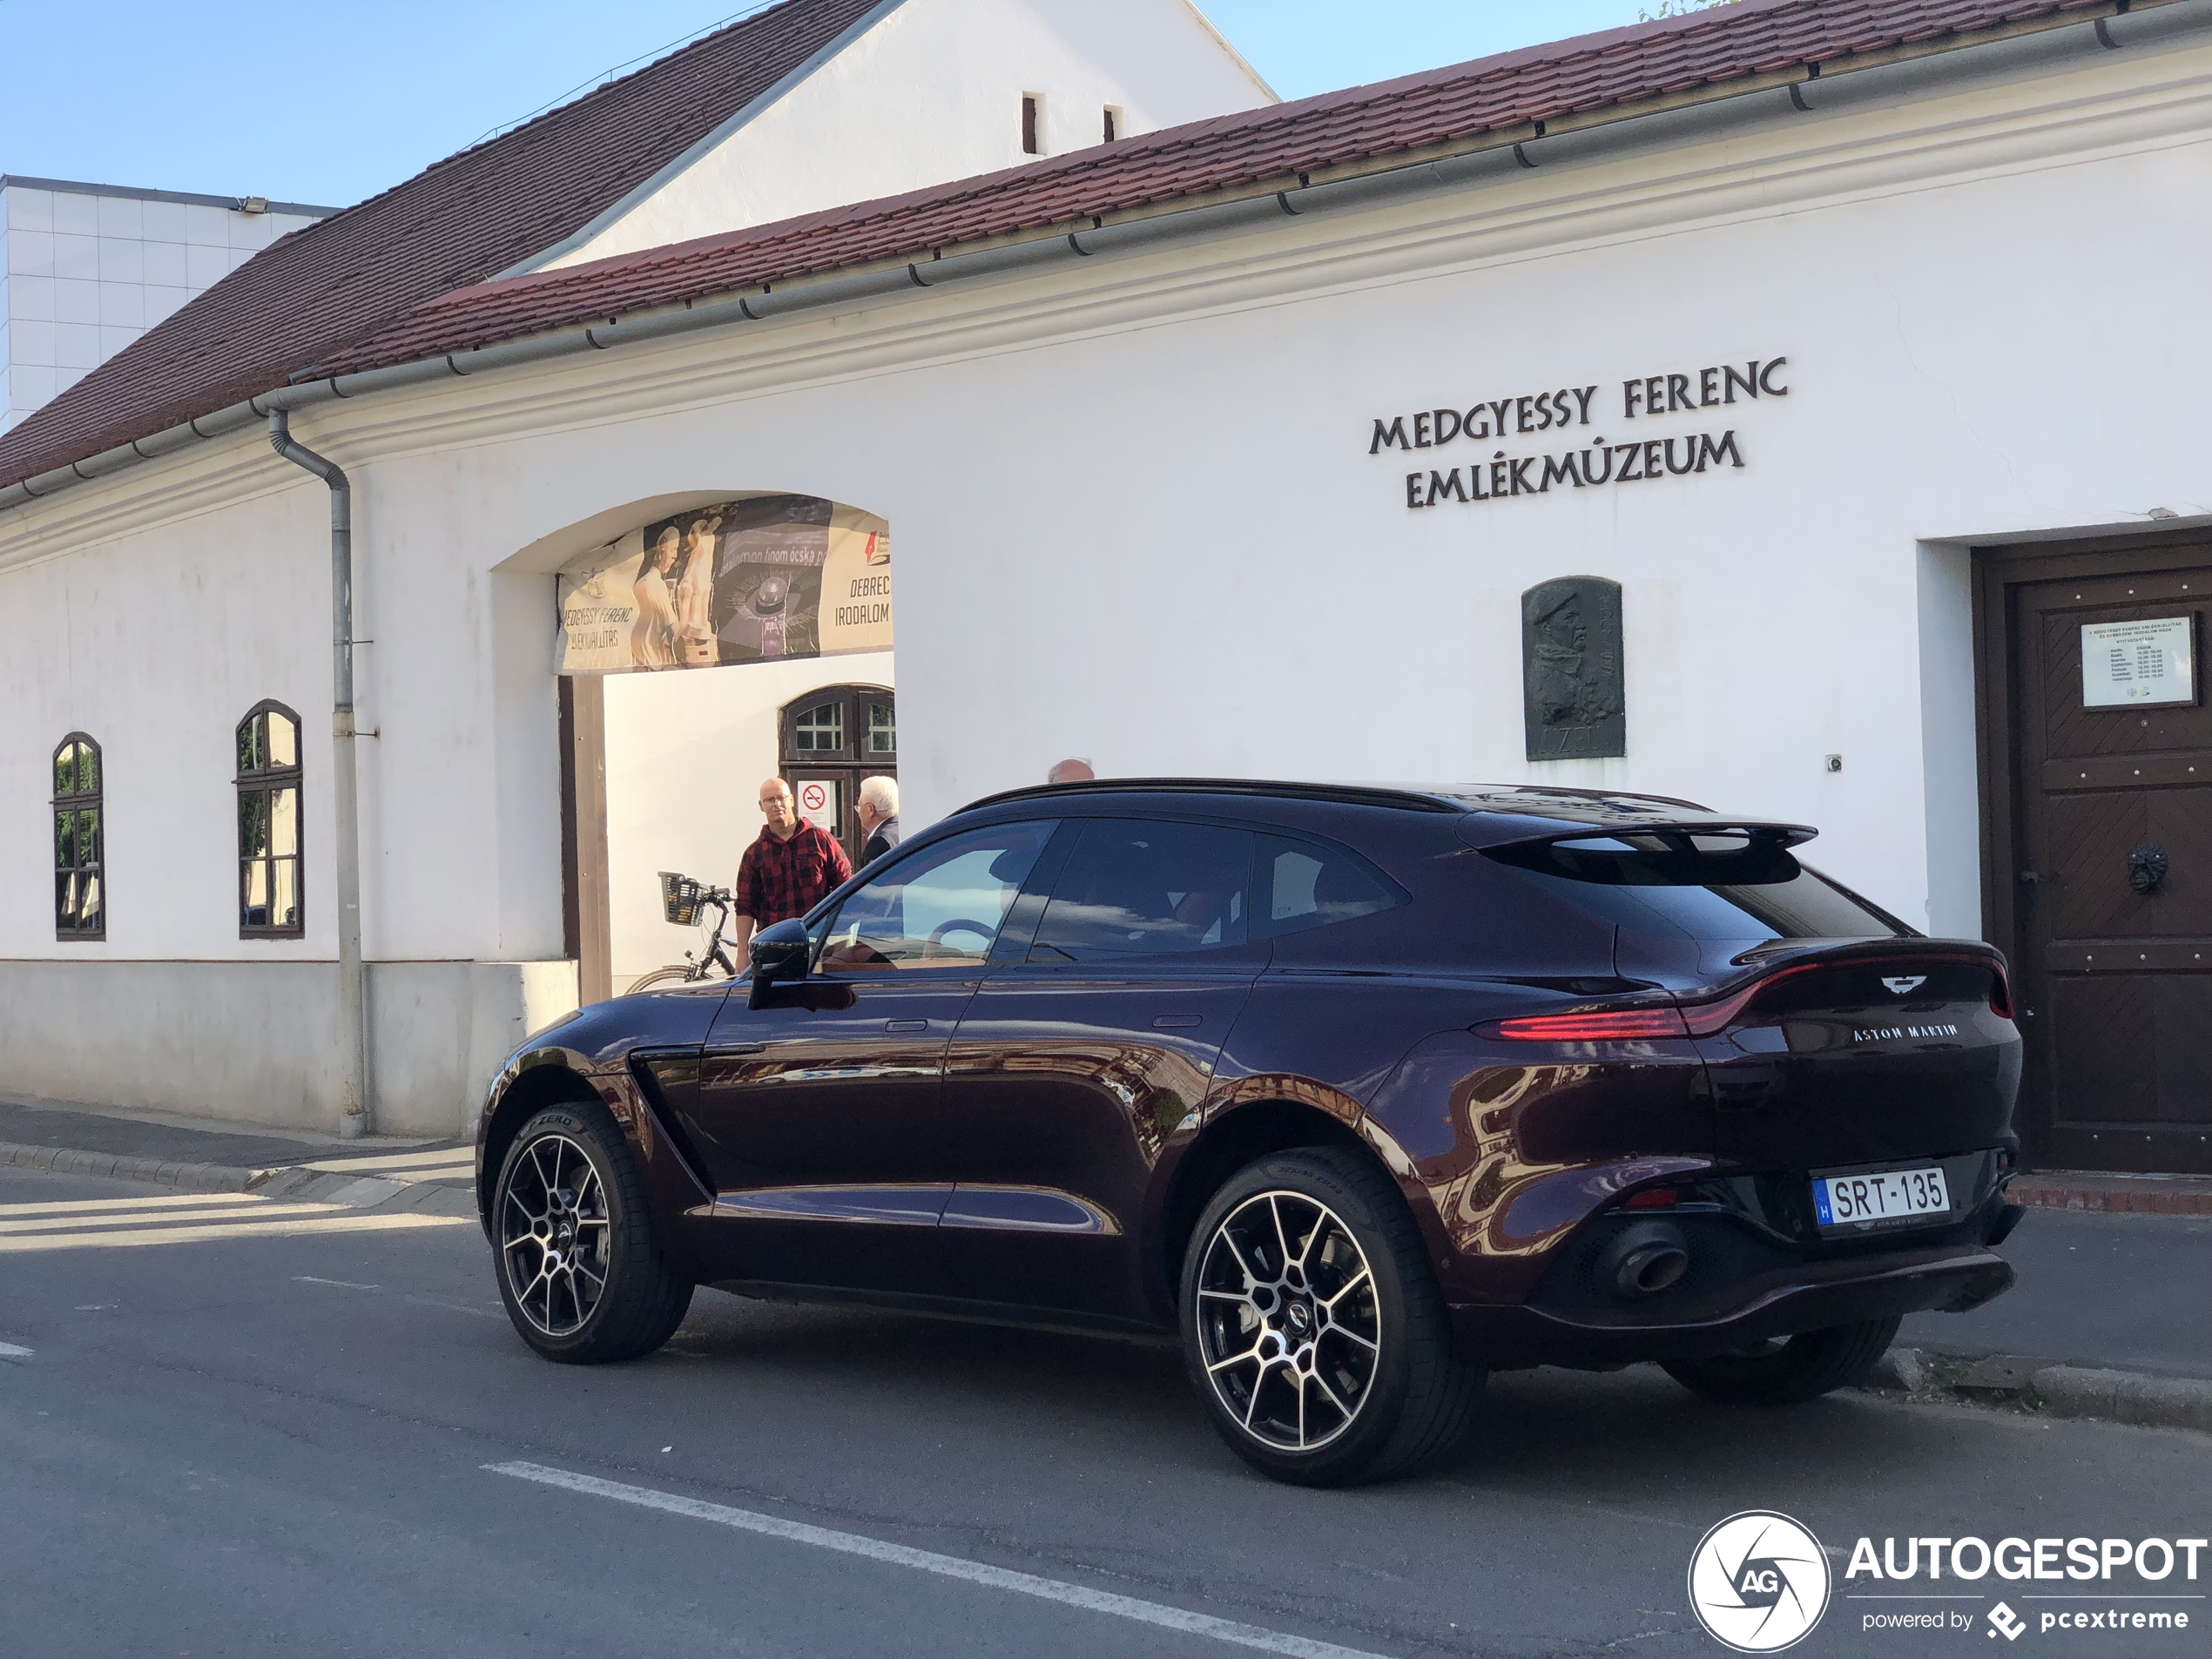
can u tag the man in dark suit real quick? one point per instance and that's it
(878, 809)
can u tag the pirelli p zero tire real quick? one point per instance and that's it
(1313, 1328)
(579, 1270)
(1791, 1371)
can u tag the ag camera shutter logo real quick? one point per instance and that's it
(1759, 1581)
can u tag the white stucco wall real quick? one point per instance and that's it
(933, 92)
(1137, 518)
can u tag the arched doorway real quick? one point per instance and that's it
(831, 739)
(692, 645)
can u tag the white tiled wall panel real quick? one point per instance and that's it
(85, 275)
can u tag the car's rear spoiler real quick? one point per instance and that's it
(1486, 830)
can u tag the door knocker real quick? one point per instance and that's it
(2146, 866)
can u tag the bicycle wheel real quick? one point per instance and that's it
(674, 974)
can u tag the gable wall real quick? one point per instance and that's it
(933, 92)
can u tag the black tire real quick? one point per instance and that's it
(674, 974)
(1417, 1399)
(1789, 1373)
(546, 1271)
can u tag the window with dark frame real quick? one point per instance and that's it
(269, 903)
(80, 838)
(1029, 124)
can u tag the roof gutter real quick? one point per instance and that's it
(2114, 24)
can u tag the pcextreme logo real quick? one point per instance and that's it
(1758, 1582)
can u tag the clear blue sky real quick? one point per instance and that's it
(333, 100)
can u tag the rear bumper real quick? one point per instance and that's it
(1806, 1296)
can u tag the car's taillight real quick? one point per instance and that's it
(1653, 1198)
(1701, 1019)
(1625, 1026)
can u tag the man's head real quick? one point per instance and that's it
(879, 800)
(1070, 771)
(776, 807)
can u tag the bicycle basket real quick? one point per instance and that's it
(679, 899)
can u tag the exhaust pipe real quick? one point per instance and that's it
(1647, 1259)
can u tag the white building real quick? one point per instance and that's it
(1230, 449)
(90, 267)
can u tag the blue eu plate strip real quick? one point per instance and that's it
(1820, 1203)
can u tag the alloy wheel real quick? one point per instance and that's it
(554, 1235)
(1289, 1324)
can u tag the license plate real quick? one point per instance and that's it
(1886, 1195)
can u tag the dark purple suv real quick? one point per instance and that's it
(1362, 1092)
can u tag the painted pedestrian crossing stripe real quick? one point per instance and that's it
(173, 1219)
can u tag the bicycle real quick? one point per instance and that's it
(682, 900)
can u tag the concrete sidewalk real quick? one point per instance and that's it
(434, 1176)
(2132, 1292)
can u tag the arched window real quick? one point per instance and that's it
(80, 839)
(268, 824)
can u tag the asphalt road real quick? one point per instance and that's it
(253, 1432)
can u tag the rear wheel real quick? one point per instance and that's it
(1313, 1329)
(1790, 1370)
(583, 1278)
(674, 974)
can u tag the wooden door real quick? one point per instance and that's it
(832, 738)
(2111, 863)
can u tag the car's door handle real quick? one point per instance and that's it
(906, 1025)
(1176, 1021)
(721, 1049)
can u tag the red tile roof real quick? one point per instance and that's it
(468, 218)
(1364, 126)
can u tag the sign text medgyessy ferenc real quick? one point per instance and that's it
(1586, 464)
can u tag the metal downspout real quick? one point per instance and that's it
(353, 998)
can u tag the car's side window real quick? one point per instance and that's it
(937, 907)
(1137, 887)
(1311, 885)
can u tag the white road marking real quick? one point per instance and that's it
(928, 1561)
(92, 1207)
(9, 1351)
(343, 1221)
(73, 1225)
(342, 1283)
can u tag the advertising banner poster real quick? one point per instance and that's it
(763, 579)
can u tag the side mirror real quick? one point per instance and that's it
(779, 952)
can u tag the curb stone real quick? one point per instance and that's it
(293, 1182)
(2053, 1391)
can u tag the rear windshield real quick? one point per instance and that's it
(1729, 885)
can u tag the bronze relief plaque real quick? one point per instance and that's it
(1572, 694)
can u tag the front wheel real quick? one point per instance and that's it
(581, 1274)
(1313, 1329)
(1790, 1370)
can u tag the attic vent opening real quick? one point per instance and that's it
(1032, 124)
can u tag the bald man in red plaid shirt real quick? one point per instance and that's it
(787, 869)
